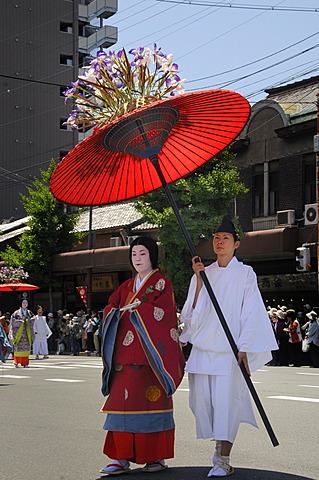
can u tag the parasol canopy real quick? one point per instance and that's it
(16, 287)
(184, 131)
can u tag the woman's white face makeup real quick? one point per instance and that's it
(141, 260)
(24, 304)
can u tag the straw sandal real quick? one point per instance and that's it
(116, 468)
(156, 466)
(221, 467)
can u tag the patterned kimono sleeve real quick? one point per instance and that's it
(111, 318)
(155, 320)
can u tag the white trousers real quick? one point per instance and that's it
(40, 344)
(220, 403)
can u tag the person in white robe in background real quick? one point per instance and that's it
(219, 397)
(41, 333)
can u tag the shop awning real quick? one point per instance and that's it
(277, 242)
(101, 259)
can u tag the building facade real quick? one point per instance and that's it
(277, 162)
(44, 44)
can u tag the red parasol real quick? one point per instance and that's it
(185, 131)
(16, 287)
(149, 148)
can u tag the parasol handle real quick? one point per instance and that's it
(271, 433)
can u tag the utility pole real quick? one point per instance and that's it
(89, 270)
(316, 150)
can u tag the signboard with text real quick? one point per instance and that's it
(101, 282)
(291, 282)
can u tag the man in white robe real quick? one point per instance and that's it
(41, 333)
(219, 396)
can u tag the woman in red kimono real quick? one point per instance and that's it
(143, 366)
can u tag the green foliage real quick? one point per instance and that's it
(202, 199)
(50, 232)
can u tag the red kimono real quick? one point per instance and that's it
(143, 366)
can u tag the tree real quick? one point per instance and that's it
(50, 231)
(202, 198)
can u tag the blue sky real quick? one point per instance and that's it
(217, 42)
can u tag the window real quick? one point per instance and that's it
(62, 89)
(84, 60)
(66, 27)
(258, 190)
(63, 126)
(310, 179)
(273, 200)
(63, 153)
(66, 60)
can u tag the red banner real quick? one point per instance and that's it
(83, 292)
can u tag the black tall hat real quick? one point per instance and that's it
(227, 226)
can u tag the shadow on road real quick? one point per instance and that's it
(200, 473)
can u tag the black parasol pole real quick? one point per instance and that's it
(271, 433)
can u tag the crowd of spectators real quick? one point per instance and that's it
(296, 331)
(297, 335)
(71, 334)
(75, 333)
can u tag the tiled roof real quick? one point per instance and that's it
(15, 233)
(106, 217)
(6, 227)
(297, 98)
(110, 217)
(13, 229)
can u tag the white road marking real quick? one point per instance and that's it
(297, 399)
(62, 380)
(86, 366)
(306, 373)
(262, 370)
(309, 386)
(183, 390)
(14, 376)
(60, 367)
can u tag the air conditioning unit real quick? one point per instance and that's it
(311, 214)
(286, 217)
(131, 238)
(115, 242)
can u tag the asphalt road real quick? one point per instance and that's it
(51, 427)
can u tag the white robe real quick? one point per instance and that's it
(41, 334)
(236, 290)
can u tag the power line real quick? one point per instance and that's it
(255, 61)
(243, 6)
(176, 23)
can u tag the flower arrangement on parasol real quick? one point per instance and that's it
(113, 85)
(143, 141)
(11, 278)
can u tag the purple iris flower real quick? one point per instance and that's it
(117, 82)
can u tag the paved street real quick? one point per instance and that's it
(52, 429)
